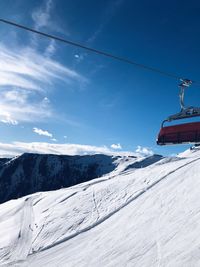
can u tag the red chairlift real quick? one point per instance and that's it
(186, 133)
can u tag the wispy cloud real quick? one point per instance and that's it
(116, 146)
(17, 106)
(111, 9)
(8, 120)
(109, 12)
(17, 148)
(41, 16)
(26, 75)
(27, 68)
(146, 151)
(51, 48)
(42, 19)
(42, 132)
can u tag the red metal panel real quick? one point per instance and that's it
(181, 128)
(182, 133)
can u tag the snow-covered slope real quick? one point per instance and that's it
(30, 173)
(137, 217)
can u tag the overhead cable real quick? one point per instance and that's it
(97, 51)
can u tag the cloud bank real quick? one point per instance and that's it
(16, 148)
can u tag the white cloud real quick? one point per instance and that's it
(17, 148)
(15, 107)
(41, 16)
(146, 151)
(8, 119)
(25, 76)
(42, 132)
(116, 146)
(28, 69)
(51, 48)
(16, 80)
(15, 96)
(54, 139)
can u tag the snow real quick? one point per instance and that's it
(146, 216)
(30, 173)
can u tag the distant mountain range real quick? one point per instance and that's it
(30, 173)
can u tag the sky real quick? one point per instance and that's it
(59, 98)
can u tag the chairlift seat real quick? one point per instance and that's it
(186, 133)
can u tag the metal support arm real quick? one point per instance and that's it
(186, 112)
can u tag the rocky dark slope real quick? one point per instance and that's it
(31, 173)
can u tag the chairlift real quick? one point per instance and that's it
(187, 133)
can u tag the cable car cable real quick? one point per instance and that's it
(100, 52)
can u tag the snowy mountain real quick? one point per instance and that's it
(3, 161)
(30, 173)
(145, 216)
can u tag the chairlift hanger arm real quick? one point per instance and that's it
(185, 83)
(186, 112)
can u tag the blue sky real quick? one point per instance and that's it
(54, 93)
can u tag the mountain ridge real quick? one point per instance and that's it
(31, 172)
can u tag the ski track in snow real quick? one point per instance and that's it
(95, 205)
(158, 231)
(21, 247)
(129, 200)
(148, 249)
(27, 241)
